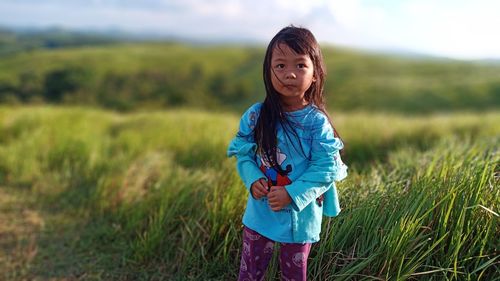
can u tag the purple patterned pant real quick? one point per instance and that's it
(258, 251)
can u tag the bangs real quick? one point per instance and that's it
(300, 47)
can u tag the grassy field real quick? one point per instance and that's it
(168, 75)
(88, 194)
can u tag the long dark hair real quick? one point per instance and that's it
(301, 41)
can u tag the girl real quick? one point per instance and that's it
(288, 158)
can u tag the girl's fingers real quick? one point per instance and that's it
(263, 185)
(261, 188)
(263, 182)
(274, 201)
(274, 204)
(257, 193)
(275, 208)
(272, 197)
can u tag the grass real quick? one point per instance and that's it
(97, 195)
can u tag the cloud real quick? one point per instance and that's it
(460, 28)
(457, 29)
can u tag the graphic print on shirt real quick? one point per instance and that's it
(273, 175)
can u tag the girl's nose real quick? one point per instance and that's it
(290, 75)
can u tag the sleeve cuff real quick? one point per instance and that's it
(301, 199)
(249, 173)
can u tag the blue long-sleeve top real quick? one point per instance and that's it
(311, 163)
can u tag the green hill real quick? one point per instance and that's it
(164, 75)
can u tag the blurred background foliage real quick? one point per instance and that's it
(67, 68)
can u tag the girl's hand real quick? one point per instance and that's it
(259, 189)
(278, 198)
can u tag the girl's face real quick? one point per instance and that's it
(291, 75)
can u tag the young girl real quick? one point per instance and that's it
(288, 158)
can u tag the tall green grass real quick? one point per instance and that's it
(156, 190)
(432, 218)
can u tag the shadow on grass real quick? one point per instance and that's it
(78, 242)
(40, 240)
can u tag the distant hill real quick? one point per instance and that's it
(18, 40)
(123, 75)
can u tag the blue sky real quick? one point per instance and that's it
(464, 29)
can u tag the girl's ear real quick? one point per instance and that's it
(314, 79)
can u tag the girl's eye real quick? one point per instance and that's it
(280, 66)
(301, 65)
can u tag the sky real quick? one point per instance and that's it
(460, 29)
